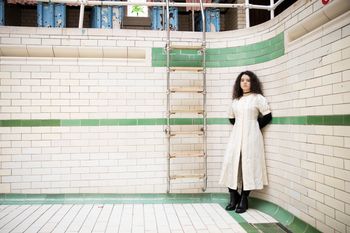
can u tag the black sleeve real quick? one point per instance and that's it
(232, 120)
(263, 121)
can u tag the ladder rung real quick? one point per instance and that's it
(186, 89)
(184, 68)
(184, 176)
(187, 111)
(189, 47)
(182, 154)
(179, 133)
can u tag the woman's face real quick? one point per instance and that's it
(245, 83)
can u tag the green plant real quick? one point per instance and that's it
(137, 9)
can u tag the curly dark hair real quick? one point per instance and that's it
(255, 85)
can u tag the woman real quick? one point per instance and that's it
(244, 159)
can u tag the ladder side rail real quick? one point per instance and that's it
(167, 48)
(205, 178)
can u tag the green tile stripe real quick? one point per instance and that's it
(343, 120)
(223, 57)
(288, 220)
(85, 122)
(313, 120)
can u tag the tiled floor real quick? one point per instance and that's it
(254, 216)
(125, 218)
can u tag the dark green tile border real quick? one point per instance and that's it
(343, 120)
(224, 57)
(288, 220)
(270, 227)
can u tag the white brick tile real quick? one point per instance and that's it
(39, 185)
(346, 75)
(335, 224)
(308, 183)
(323, 90)
(143, 44)
(341, 87)
(11, 151)
(31, 41)
(317, 139)
(10, 179)
(334, 141)
(340, 44)
(125, 43)
(21, 102)
(313, 82)
(50, 41)
(18, 172)
(323, 149)
(341, 195)
(314, 101)
(341, 130)
(15, 41)
(323, 130)
(322, 71)
(306, 93)
(5, 188)
(5, 143)
(308, 165)
(40, 115)
(42, 171)
(89, 43)
(49, 68)
(15, 116)
(325, 209)
(30, 95)
(345, 53)
(345, 31)
(317, 158)
(10, 137)
(10, 82)
(341, 152)
(70, 42)
(331, 58)
(347, 142)
(334, 182)
(341, 217)
(333, 99)
(340, 65)
(317, 214)
(325, 189)
(5, 89)
(11, 95)
(30, 109)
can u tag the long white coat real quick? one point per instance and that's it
(246, 140)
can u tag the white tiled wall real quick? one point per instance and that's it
(308, 165)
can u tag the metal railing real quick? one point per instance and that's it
(246, 6)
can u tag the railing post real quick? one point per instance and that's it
(81, 14)
(272, 10)
(247, 20)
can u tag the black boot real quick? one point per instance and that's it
(234, 199)
(243, 204)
